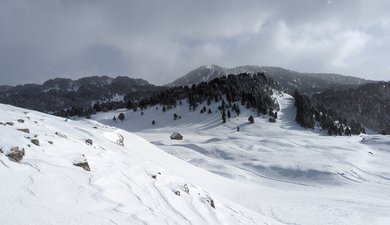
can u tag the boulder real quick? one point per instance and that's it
(9, 123)
(82, 162)
(61, 135)
(20, 121)
(35, 142)
(15, 154)
(89, 142)
(120, 140)
(83, 165)
(25, 130)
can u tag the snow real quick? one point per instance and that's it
(277, 170)
(130, 183)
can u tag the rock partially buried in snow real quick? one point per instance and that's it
(82, 162)
(9, 123)
(25, 130)
(88, 142)
(15, 154)
(120, 140)
(35, 142)
(61, 135)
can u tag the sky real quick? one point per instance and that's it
(161, 40)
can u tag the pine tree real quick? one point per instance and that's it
(121, 116)
(153, 122)
(251, 119)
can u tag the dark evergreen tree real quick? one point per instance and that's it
(251, 119)
(121, 116)
(223, 117)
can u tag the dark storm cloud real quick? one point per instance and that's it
(160, 40)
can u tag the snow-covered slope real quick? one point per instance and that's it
(83, 172)
(279, 170)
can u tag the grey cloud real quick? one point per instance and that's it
(160, 40)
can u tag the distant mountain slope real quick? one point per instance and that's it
(369, 104)
(307, 83)
(56, 171)
(58, 94)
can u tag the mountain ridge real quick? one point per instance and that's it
(289, 80)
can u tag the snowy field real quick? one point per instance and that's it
(276, 170)
(55, 171)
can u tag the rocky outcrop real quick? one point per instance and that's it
(16, 154)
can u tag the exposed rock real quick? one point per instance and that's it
(2, 123)
(83, 165)
(16, 154)
(1, 150)
(177, 193)
(212, 203)
(186, 189)
(50, 142)
(154, 176)
(25, 130)
(120, 140)
(9, 123)
(20, 121)
(89, 142)
(35, 142)
(61, 135)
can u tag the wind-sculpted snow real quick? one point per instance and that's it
(280, 170)
(84, 172)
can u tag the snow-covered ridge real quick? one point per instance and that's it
(83, 172)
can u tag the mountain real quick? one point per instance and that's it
(4, 88)
(59, 94)
(57, 171)
(369, 103)
(308, 83)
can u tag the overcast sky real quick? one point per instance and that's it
(160, 40)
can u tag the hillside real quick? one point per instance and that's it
(369, 103)
(59, 94)
(57, 171)
(297, 176)
(289, 81)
